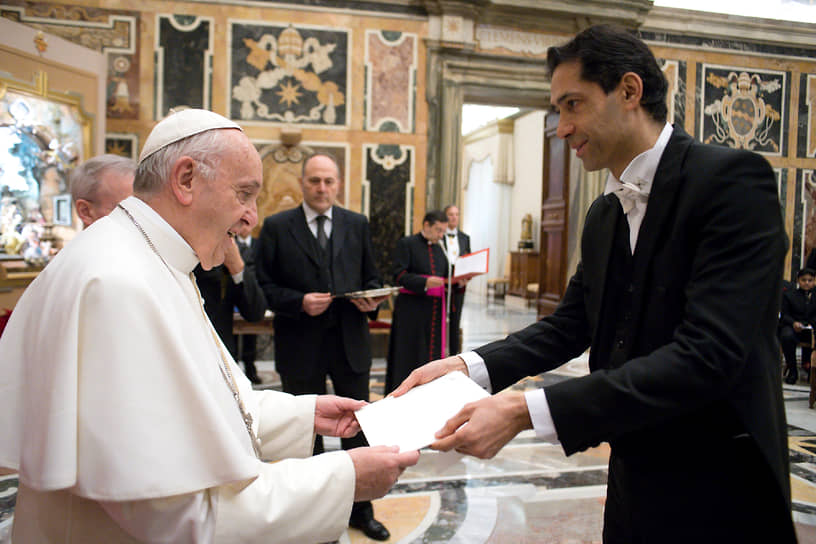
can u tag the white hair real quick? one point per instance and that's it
(206, 148)
(86, 178)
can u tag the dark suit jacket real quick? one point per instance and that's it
(289, 266)
(707, 275)
(221, 296)
(797, 307)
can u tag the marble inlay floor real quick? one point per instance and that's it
(530, 492)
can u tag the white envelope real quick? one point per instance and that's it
(410, 421)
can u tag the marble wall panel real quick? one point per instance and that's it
(125, 145)
(113, 32)
(183, 56)
(286, 74)
(782, 187)
(675, 72)
(743, 107)
(390, 61)
(804, 219)
(806, 144)
(388, 199)
(282, 166)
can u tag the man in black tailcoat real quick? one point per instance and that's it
(677, 296)
(456, 243)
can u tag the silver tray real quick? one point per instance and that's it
(371, 293)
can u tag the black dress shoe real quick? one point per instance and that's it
(254, 378)
(791, 378)
(371, 528)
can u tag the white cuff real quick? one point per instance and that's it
(540, 415)
(477, 370)
(238, 278)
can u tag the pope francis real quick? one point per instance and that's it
(123, 412)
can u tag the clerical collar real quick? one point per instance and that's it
(312, 214)
(172, 247)
(641, 171)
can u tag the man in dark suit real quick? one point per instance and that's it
(229, 286)
(306, 255)
(456, 243)
(677, 296)
(797, 319)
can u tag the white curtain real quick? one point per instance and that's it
(486, 218)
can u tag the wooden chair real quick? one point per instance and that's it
(532, 294)
(812, 370)
(499, 285)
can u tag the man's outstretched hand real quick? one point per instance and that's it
(429, 372)
(491, 423)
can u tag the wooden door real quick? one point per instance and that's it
(554, 205)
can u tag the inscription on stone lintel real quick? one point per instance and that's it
(491, 37)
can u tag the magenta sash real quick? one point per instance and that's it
(440, 293)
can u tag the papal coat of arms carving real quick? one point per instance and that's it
(289, 75)
(743, 110)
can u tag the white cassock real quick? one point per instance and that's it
(115, 412)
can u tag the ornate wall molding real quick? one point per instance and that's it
(456, 76)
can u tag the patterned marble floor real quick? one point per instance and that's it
(530, 492)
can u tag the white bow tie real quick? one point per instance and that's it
(629, 195)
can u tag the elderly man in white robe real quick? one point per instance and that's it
(123, 412)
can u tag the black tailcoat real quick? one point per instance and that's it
(700, 359)
(458, 295)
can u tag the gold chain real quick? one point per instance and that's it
(223, 364)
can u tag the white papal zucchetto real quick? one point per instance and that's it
(180, 125)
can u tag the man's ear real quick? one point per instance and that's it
(182, 178)
(83, 209)
(631, 88)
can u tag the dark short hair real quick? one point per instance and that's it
(805, 272)
(606, 53)
(435, 216)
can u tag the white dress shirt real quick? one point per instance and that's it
(452, 244)
(311, 220)
(637, 177)
(640, 173)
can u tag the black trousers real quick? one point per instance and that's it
(247, 351)
(789, 339)
(346, 383)
(715, 493)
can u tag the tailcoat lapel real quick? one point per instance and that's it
(665, 188)
(598, 248)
